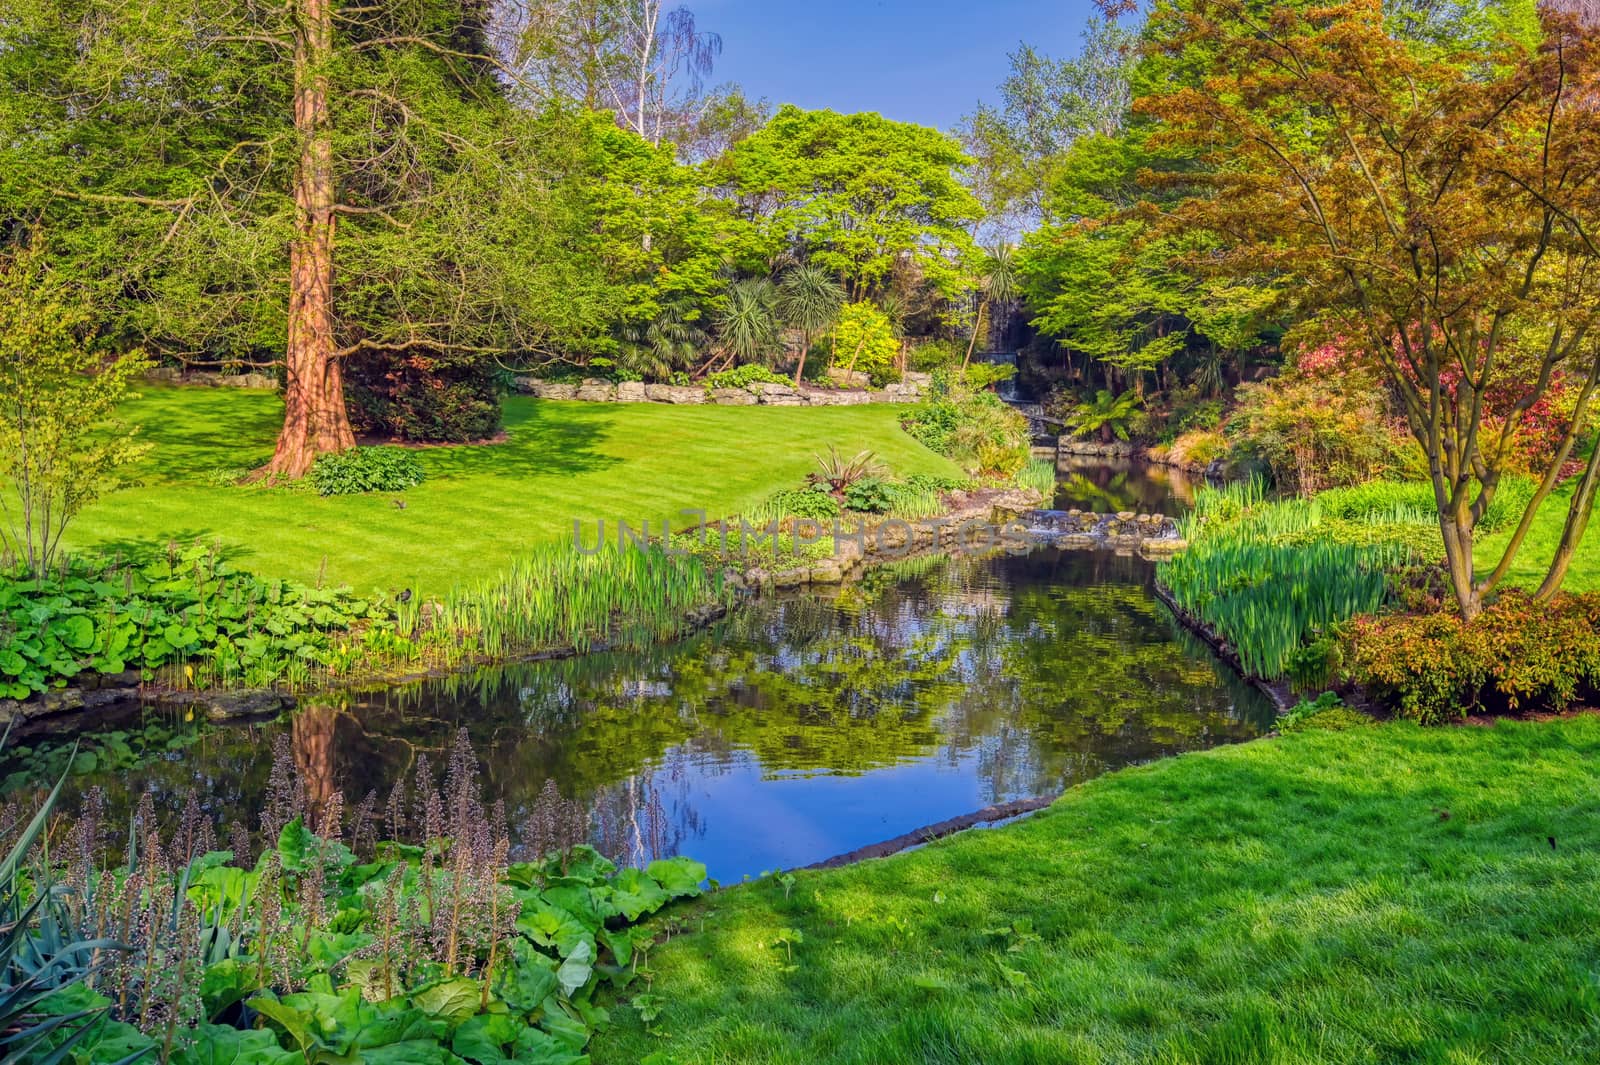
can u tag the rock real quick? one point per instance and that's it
(1125, 515)
(919, 380)
(781, 399)
(685, 394)
(1164, 547)
(789, 578)
(771, 388)
(820, 397)
(51, 703)
(849, 378)
(733, 397)
(593, 391)
(236, 706)
(850, 397)
(631, 392)
(879, 397)
(826, 572)
(555, 390)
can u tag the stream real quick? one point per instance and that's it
(800, 727)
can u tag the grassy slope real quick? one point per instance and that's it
(1534, 558)
(481, 505)
(1382, 896)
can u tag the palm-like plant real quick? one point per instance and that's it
(997, 286)
(668, 342)
(748, 325)
(1106, 414)
(809, 299)
(837, 473)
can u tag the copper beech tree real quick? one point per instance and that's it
(1438, 208)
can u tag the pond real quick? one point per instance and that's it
(799, 728)
(1108, 486)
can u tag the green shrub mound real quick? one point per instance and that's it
(751, 373)
(1518, 654)
(366, 469)
(962, 420)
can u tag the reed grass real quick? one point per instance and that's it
(1269, 576)
(1040, 475)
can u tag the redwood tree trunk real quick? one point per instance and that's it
(315, 420)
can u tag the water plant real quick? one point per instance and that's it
(190, 620)
(400, 932)
(1039, 475)
(1260, 574)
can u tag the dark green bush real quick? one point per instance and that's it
(366, 469)
(751, 373)
(1516, 655)
(814, 503)
(870, 495)
(426, 398)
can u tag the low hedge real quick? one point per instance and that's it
(1518, 654)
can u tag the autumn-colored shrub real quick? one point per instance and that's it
(1320, 432)
(1516, 655)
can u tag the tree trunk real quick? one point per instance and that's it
(805, 349)
(1458, 563)
(1578, 514)
(315, 420)
(973, 341)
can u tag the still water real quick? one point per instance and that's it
(1108, 486)
(797, 729)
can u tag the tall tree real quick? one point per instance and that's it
(304, 181)
(1046, 105)
(1439, 208)
(853, 194)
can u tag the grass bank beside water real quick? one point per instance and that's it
(1386, 895)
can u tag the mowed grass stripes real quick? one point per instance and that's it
(482, 506)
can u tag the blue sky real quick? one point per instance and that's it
(927, 61)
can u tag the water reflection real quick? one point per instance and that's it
(794, 730)
(1109, 486)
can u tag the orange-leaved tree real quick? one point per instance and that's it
(1439, 206)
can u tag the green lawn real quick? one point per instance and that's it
(1390, 895)
(481, 506)
(1533, 560)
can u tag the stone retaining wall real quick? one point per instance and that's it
(173, 375)
(764, 393)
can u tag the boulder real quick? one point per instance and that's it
(771, 388)
(733, 397)
(849, 397)
(848, 378)
(826, 572)
(554, 390)
(631, 392)
(781, 399)
(685, 394)
(594, 391)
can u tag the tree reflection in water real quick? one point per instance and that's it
(799, 727)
